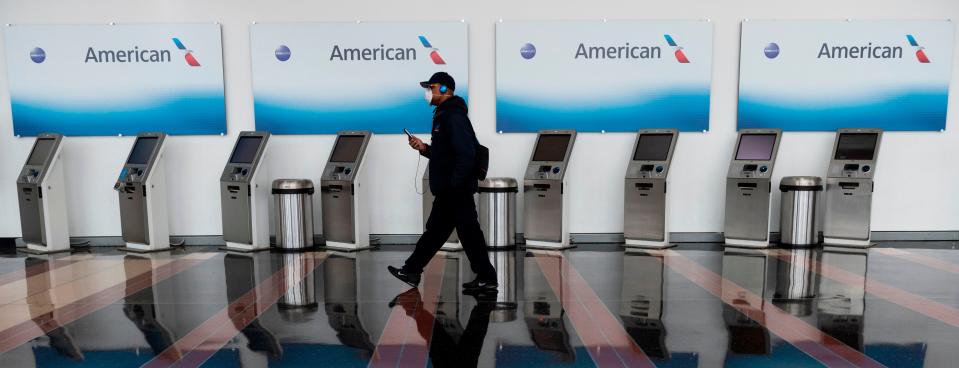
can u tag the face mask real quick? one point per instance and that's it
(428, 96)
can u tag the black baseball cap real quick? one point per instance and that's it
(442, 78)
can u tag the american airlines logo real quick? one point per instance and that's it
(434, 52)
(920, 53)
(187, 53)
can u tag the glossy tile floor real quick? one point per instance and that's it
(691, 306)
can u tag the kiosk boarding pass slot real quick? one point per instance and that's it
(546, 189)
(849, 188)
(749, 186)
(42, 198)
(344, 193)
(144, 221)
(645, 196)
(245, 194)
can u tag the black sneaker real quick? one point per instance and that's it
(413, 279)
(480, 285)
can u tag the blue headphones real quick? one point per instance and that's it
(443, 89)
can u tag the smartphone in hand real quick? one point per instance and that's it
(408, 134)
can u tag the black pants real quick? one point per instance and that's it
(454, 210)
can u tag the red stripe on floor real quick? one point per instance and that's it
(406, 338)
(602, 333)
(920, 259)
(802, 335)
(914, 302)
(202, 342)
(28, 330)
(36, 269)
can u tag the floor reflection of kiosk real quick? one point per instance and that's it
(345, 193)
(41, 193)
(143, 195)
(643, 298)
(546, 190)
(341, 285)
(44, 311)
(646, 211)
(152, 308)
(543, 311)
(245, 194)
(751, 269)
(849, 186)
(453, 243)
(241, 270)
(749, 186)
(841, 306)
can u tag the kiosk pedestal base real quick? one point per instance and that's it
(847, 243)
(539, 244)
(647, 244)
(452, 247)
(242, 248)
(42, 249)
(345, 247)
(142, 248)
(745, 243)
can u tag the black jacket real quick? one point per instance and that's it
(452, 152)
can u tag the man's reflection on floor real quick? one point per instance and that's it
(446, 350)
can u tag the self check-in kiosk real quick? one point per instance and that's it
(41, 193)
(245, 194)
(453, 243)
(646, 211)
(345, 193)
(143, 195)
(849, 186)
(749, 186)
(546, 190)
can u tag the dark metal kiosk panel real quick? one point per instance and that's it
(141, 188)
(41, 197)
(645, 192)
(344, 193)
(749, 187)
(546, 189)
(244, 194)
(849, 187)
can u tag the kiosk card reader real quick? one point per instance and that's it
(42, 196)
(646, 212)
(453, 243)
(346, 221)
(245, 194)
(748, 188)
(143, 195)
(546, 189)
(849, 187)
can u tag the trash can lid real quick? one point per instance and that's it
(813, 183)
(292, 186)
(498, 185)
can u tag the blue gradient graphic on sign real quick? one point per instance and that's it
(595, 76)
(185, 114)
(828, 75)
(352, 76)
(104, 80)
(909, 111)
(683, 110)
(389, 116)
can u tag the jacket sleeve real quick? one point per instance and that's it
(464, 150)
(426, 152)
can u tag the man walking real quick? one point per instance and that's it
(452, 157)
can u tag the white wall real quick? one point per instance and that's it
(917, 176)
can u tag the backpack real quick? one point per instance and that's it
(481, 167)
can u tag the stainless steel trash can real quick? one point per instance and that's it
(293, 213)
(497, 211)
(299, 280)
(797, 220)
